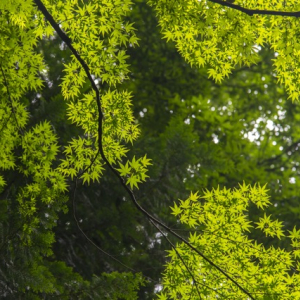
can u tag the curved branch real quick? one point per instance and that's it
(68, 42)
(251, 12)
(85, 235)
(181, 258)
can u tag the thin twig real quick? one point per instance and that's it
(85, 235)
(251, 12)
(179, 256)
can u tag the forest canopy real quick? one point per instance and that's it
(112, 112)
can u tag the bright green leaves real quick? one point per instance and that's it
(219, 225)
(162, 296)
(135, 171)
(84, 113)
(83, 159)
(117, 127)
(269, 227)
(295, 242)
(176, 210)
(210, 34)
(118, 117)
(2, 182)
(18, 73)
(258, 195)
(118, 120)
(124, 170)
(47, 186)
(106, 61)
(98, 32)
(10, 130)
(73, 80)
(39, 150)
(38, 192)
(19, 63)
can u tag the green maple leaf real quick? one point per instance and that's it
(133, 181)
(124, 170)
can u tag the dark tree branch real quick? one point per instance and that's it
(182, 260)
(251, 12)
(68, 42)
(85, 235)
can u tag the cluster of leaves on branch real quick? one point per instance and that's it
(98, 32)
(206, 33)
(219, 223)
